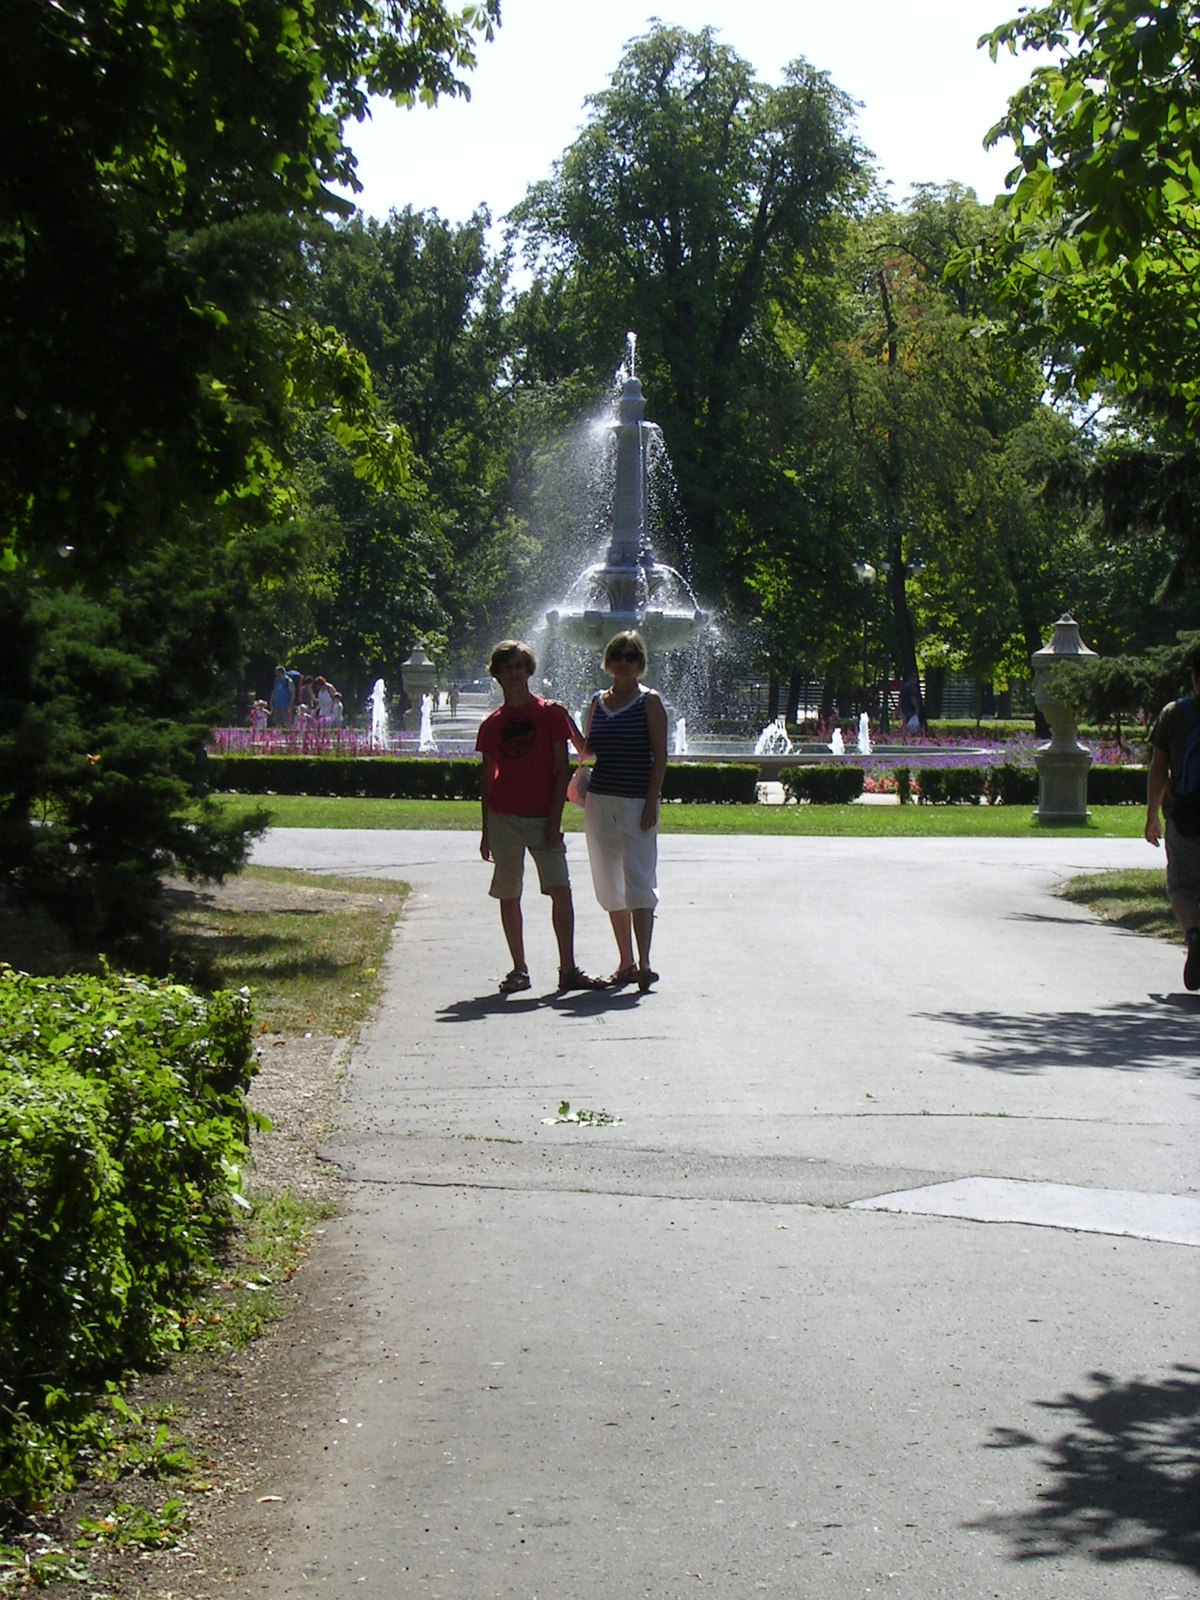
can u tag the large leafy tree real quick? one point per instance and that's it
(165, 160)
(680, 212)
(1100, 267)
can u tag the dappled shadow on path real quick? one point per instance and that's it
(1161, 1032)
(1122, 1483)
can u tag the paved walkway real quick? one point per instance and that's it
(749, 1337)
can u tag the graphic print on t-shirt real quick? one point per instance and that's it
(516, 738)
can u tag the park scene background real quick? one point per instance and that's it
(244, 424)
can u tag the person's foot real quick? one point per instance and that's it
(622, 976)
(1191, 966)
(575, 978)
(517, 980)
(645, 978)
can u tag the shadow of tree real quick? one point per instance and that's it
(1128, 1037)
(1125, 1481)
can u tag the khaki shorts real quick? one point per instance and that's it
(509, 838)
(1183, 862)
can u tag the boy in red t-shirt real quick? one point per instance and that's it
(525, 772)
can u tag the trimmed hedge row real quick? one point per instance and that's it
(1013, 785)
(123, 1125)
(822, 785)
(432, 778)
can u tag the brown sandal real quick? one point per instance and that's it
(576, 978)
(515, 982)
(622, 976)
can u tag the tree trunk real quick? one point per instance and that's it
(935, 685)
(795, 681)
(772, 695)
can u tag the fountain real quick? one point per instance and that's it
(425, 736)
(680, 746)
(773, 740)
(629, 588)
(380, 732)
(837, 745)
(864, 734)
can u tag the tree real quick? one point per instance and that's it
(1104, 253)
(1100, 266)
(679, 212)
(166, 159)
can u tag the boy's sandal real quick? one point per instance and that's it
(515, 982)
(622, 976)
(576, 978)
(645, 978)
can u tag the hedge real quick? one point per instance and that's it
(123, 1125)
(703, 783)
(822, 785)
(1011, 785)
(374, 777)
(432, 778)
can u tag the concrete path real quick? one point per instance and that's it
(741, 1340)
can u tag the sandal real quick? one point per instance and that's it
(515, 982)
(622, 976)
(576, 978)
(645, 978)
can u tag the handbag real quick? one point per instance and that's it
(577, 788)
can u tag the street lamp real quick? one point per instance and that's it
(866, 576)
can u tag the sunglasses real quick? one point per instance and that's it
(626, 655)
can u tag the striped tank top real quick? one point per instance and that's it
(620, 741)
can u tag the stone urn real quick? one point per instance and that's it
(417, 674)
(1062, 764)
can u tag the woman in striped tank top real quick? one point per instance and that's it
(627, 734)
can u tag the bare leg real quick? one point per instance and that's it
(514, 932)
(562, 915)
(622, 927)
(643, 928)
(1187, 911)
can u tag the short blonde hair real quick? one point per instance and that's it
(511, 650)
(629, 639)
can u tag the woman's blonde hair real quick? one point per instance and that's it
(629, 639)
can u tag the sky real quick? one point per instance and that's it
(928, 94)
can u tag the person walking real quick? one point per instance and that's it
(525, 771)
(1173, 787)
(627, 735)
(283, 698)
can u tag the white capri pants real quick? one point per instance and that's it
(624, 860)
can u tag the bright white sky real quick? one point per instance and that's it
(928, 95)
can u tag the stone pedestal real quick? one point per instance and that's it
(1063, 764)
(417, 675)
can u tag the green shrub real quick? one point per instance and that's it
(122, 1127)
(822, 785)
(1117, 786)
(941, 786)
(1010, 785)
(702, 783)
(904, 785)
(374, 777)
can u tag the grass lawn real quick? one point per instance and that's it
(1135, 900)
(850, 821)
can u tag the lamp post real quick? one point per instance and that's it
(866, 576)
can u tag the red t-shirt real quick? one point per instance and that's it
(517, 745)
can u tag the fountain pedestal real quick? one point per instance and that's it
(417, 674)
(1063, 764)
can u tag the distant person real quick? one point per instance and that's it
(911, 711)
(453, 700)
(260, 714)
(337, 716)
(283, 698)
(324, 695)
(627, 734)
(525, 771)
(1173, 787)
